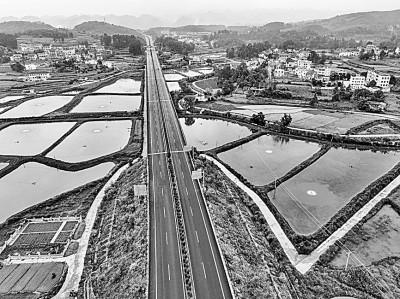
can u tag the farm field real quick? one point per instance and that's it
(327, 185)
(30, 278)
(210, 83)
(375, 240)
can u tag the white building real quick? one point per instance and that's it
(108, 64)
(30, 67)
(382, 80)
(357, 82)
(323, 71)
(301, 73)
(33, 77)
(279, 73)
(302, 63)
(42, 56)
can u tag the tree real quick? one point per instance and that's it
(227, 87)
(209, 61)
(372, 83)
(106, 40)
(393, 80)
(17, 67)
(314, 100)
(258, 119)
(285, 121)
(189, 121)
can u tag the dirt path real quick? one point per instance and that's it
(76, 261)
(301, 262)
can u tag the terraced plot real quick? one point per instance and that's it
(29, 278)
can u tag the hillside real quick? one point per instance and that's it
(13, 27)
(100, 28)
(375, 24)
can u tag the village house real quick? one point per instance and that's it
(382, 80)
(304, 64)
(357, 82)
(37, 76)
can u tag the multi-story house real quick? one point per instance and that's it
(304, 64)
(357, 82)
(382, 80)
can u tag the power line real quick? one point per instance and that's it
(319, 224)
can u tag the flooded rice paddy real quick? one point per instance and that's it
(173, 86)
(268, 157)
(326, 186)
(190, 73)
(378, 238)
(173, 77)
(2, 109)
(31, 139)
(37, 107)
(92, 140)
(33, 183)
(205, 134)
(107, 103)
(10, 98)
(122, 86)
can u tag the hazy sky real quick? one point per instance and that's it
(21, 8)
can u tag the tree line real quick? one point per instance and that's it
(8, 41)
(171, 44)
(120, 41)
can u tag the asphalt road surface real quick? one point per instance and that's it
(166, 279)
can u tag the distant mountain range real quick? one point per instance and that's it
(100, 28)
(374, 22)
(141, 22)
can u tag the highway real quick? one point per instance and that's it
(164, 134)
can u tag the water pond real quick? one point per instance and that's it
(122, 86)
(107, 103)
(190, 73)
(4, 108)
(205, 134)
(37, 107)
(31, 139)
(173, 86)
(205, 71)
(7, 99)
(92, 140)
(326, 186)
(173, 77)
(33, 183)
(268, 157)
